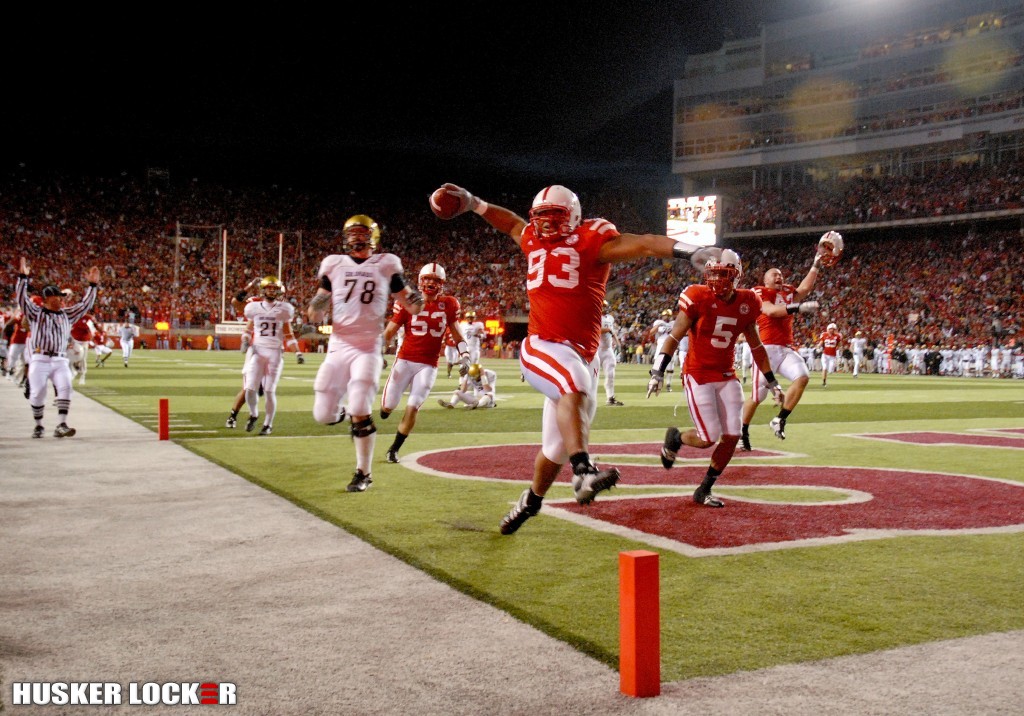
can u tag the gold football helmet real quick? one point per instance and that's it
(360, 232)
(271, 288)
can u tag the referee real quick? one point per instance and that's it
(50, 328)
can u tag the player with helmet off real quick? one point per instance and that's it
(356, 287)
(568, 261)
(415, 366)
(780, 302)
(714, 313)
(270, 323)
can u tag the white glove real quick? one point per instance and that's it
(808, 307)
(654, 386)
(463, 364)
(701, 256)
(467, 202)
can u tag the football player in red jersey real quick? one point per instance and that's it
(81, 335)
(99, 344)
(779, 302)
(568, 261)
(714, 313)
(829, 343)
(415, 366)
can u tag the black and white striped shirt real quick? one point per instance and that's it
(51, 330)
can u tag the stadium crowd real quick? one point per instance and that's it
(948, 190)
(936, 286)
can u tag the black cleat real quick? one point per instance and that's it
(266, 430)
(613, 401)
(669, 449)
(519, 514)
(589, 481)
(393, 456)
(63, 431)
(745, 442)
(360, 482)
(251, 423)
(37, 431)
(707, 499)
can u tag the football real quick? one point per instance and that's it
(444, 205)
(830, 247)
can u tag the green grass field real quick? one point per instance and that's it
(720, 614)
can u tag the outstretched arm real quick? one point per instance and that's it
(808, 283)
(502, 219)
(627, 247)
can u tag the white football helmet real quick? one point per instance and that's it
(830, 247)
(555, 213)
(832, 327)
(722, 274)
(432, 278)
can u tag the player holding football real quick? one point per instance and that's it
(355, 287)
(714, 314)
(568, 261)
(415, 366)
(779, 303)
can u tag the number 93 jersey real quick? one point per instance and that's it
(565, 283)
(359, 297)
(716, 326)
(268, 322)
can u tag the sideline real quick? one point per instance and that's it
(129, 559)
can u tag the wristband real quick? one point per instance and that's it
(463, 347)
(661, 363)
(682, 250)
(792, 308)
(770, 377)
(481, 207)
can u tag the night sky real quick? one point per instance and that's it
(394, 92)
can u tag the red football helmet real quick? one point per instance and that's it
(722, 275)
(432, 278)
(555, 213)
